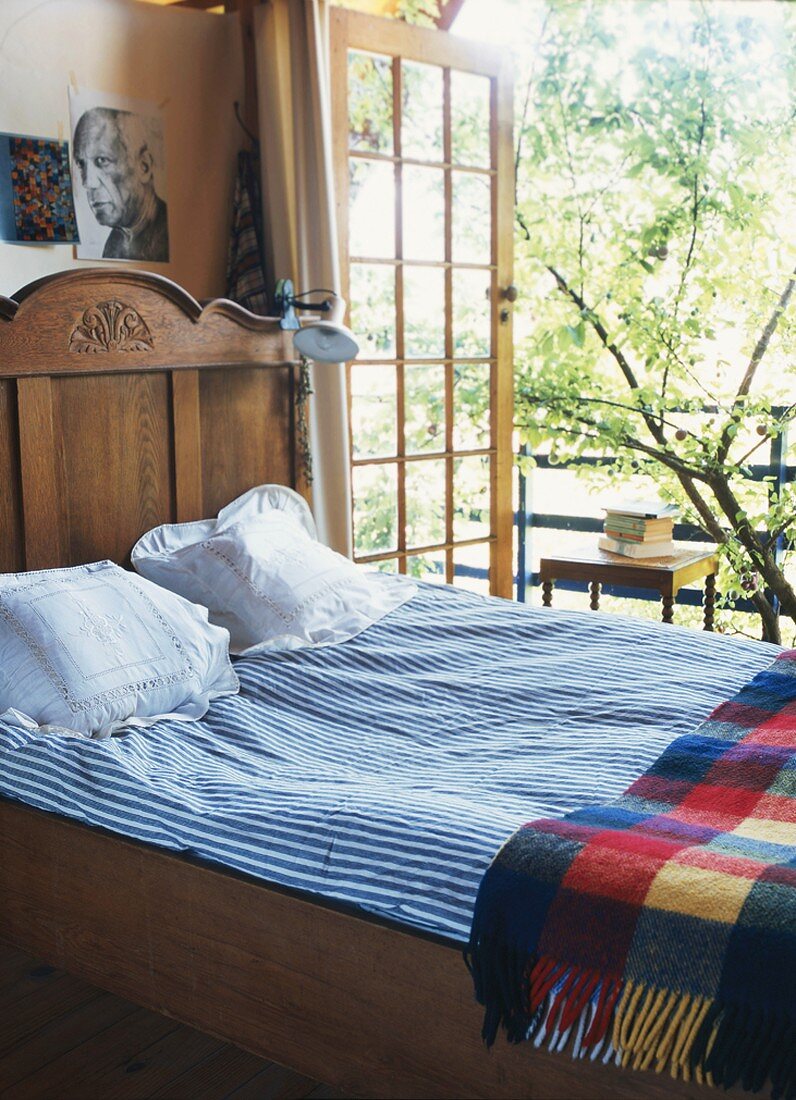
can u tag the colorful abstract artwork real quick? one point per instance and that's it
(36, 200)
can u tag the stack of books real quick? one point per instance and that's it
(639, 529)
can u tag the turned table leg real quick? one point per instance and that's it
(710, 600)
(547, 593)
(594, 589)
(667, 606)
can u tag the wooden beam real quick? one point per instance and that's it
(198, 5)
(245, 10)
(449, 9)
(387, 8)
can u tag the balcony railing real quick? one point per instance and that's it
(527, 520)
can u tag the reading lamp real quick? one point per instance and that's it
(326, 340)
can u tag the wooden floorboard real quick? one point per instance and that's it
(62, 1039)
(60, 1035)
(222, 1074)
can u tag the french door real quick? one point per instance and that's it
(424, 178)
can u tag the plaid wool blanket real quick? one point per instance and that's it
(659, 930)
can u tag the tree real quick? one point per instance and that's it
(423, 13)
(655, 209)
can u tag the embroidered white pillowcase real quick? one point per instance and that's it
(94, 648)
(263, 575)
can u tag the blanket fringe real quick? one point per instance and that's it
(633, 1024)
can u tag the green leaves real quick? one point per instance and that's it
(423, 13)
(576, 333)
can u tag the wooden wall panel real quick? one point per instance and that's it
(187, 445)
(11, 556)
(240, 448)
(42, 475)
(119, 479)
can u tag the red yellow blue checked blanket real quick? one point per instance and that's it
(659, 930)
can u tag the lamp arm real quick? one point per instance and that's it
(332, 308)
(316, 307)
(334, 305)
(322, 307)
(317, 290)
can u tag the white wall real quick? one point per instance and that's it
(189, 62)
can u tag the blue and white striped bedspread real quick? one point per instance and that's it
(385, 772)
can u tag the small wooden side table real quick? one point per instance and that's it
(666, 575)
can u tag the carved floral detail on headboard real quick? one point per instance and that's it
(111, 326)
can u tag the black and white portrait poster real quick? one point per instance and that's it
(119, 174)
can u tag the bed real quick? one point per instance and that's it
(294, 873)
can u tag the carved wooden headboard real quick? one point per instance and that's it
(124, 404)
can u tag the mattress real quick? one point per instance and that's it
(384, 773)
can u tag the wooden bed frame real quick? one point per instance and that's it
(124, 404)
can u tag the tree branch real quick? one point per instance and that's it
(695, 202)
(655, 430)
(547, 399)
(666, 458)
(760, 349)
(775, 533)
(598, 327)
(758, 551)
(522, 224)
(755, 447)
(668, 343)
(521, 132)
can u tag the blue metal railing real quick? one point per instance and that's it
(526, 519)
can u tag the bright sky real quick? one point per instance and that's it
(498, 21)
(488, 20)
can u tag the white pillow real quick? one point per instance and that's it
(264, 576)
(94, 648)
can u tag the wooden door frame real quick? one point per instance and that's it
(354, 30)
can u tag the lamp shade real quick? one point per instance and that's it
(327, 340)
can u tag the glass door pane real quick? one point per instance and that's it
(422, 258)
